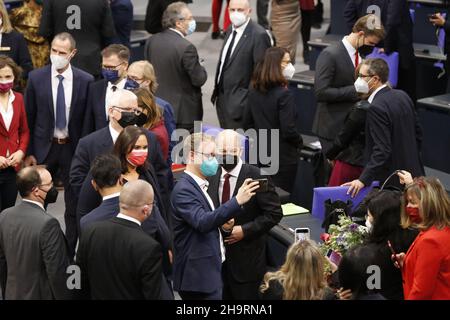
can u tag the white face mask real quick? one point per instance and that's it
(369, 225)
(238, 18)
(289, 71)
(361, 86)
(59, 62)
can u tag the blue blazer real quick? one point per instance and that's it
(41, 114)
(100, 142)
(197, 257)
(122, 13)
(95, 118)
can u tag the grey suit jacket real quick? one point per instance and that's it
(179, 73)
(334, 89)
(239, 70)
(33, 254)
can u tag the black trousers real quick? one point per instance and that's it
(8, 188)
(225, 119)
(59, 159)
(306, 27)
(233, 290)
(322, 169)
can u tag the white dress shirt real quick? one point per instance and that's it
(8, 114)
(372, 96)
(239, 33)
(203, 184)
(177, 31)
(125, 217)
(68, 88)
(233, 179)
(109, 92)
(114, 195)
(114, 133)
(351, 51)
(35, 202)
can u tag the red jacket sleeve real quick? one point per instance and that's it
(24, 132)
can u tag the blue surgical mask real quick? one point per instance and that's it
(191, 28)
(209, 167)
(131, 84)
(110, 75)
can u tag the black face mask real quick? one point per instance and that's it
(127, 119)
(365, 50)
(51, 196)
(141, 119)
(228, 161)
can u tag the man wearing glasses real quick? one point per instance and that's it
(115, 59)
(33, 252)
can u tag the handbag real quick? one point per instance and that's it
(333, 210)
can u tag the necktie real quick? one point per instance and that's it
(226, 189)
(60, 105)
(228, 54)
(356, 59)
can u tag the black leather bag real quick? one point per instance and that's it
(335, 209)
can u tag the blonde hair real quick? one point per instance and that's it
(302, 275)
(434, 204)
(7, 26)
(371, 26)
(148, 73)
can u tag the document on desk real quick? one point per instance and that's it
(290, 209)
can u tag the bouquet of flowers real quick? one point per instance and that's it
(342, 237)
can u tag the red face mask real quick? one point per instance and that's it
(137, 157)
(413, 214)
(5, 87)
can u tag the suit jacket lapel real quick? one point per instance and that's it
(240, 180)
(213, 189)
(75, 90)
(197, 187)
(3, 126)
(227, 35)
(48, 81)
(242, 41)
(347, 59)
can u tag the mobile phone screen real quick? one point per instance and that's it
(302, 234)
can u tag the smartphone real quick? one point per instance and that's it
(263, 185)
(302, 234)
(393, 252)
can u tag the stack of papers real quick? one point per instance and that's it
(290, 209)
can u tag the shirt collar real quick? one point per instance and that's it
(202, 183)
(125, 217)
(348, 46)
(235, 172)
(35, 202)
(241, 28)
(372, 96)
(114, 133)
(114, 195)
(177, 31)
(67, 74)
(119, 85)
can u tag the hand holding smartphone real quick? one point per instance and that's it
(394, 256)
(302, 234)
(263, 185)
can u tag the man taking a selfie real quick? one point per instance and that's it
(245, 263)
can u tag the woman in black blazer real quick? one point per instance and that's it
(13, 44)
(271, 106)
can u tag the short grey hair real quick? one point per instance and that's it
(173, 14)
(118, 96)
(377, 67)
(63, 36)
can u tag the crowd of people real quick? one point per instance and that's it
(73, 108)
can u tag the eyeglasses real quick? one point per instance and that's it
(112, 67)
(209, 155)
(365, 75)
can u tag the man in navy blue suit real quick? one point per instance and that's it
(115, 59)
(198, 244)
(123, 104)
(122, 13)
(55, 101)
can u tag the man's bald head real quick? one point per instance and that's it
(239, 12)
(228, 142)
(239, 4)
(136, 194)
(122, 98)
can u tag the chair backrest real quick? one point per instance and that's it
(392, 60)
(214, 131)
(336, 193)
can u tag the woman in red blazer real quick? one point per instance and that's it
(426, 265)
(152, 118)
(14, 133)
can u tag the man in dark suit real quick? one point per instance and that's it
(88, 21)
(178, 70)
(245, 264)
(393, 133)
(122, 13)
(115, 59)
(199, 250)
(335, 78)
(105, 273)
(33, 253)
(55, 101)
(396, 19)
(123, 104)
(245, 44)
(154, 13)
